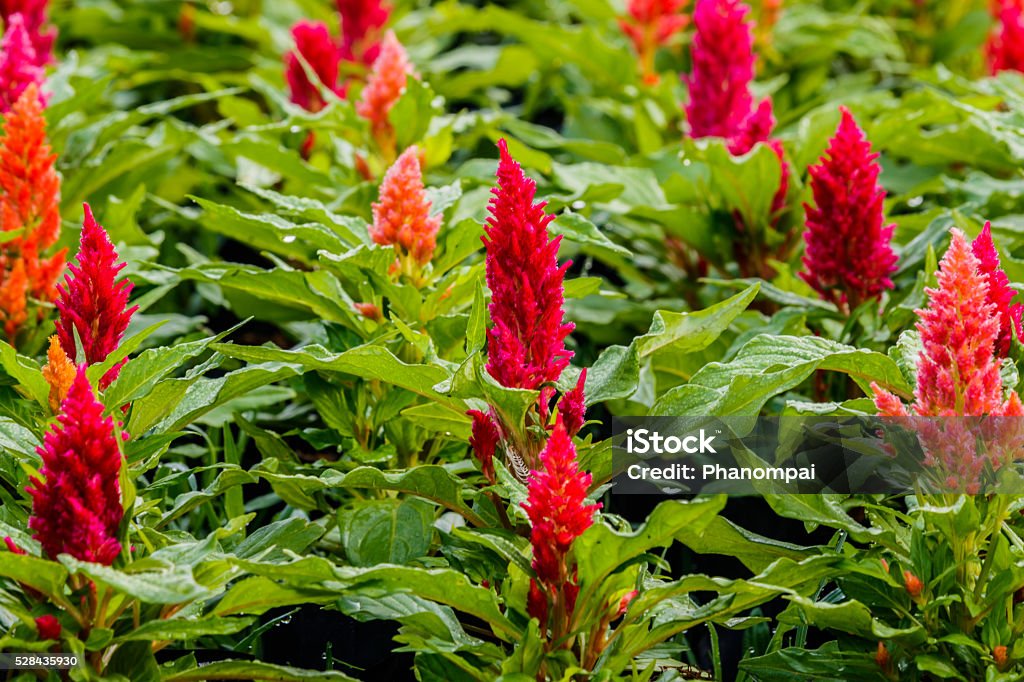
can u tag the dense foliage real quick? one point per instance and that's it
(323, 311)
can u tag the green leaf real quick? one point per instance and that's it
(48, 577)
(769, 365)
(693, 331)
(181, 628)
(254, 670)
(159, 585)
(386, 531)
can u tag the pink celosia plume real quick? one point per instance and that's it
(19, 67)
(361, 24)
(76, 503)
(401, 216)
(958, 376)
(558, 513)
(93, 306)
(572, 407)
(526, 345)
(387, 81)
(1000, 294)
(313, 42)
(848, 258)
(1005, 48)
(40, 32)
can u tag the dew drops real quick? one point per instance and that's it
(288, 238)
(914, 202)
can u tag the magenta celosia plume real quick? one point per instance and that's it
(720, 101)
(76, 504)
(957, 371)
(401, 216)
(723, 67)
(526, 345)
(558, 512)
(1000, 294)
(40, 32)
(94, 306)
(849, 257)
(361, 25)
(314, 43)
(1005, 48)
(19, 65)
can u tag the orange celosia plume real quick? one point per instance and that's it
(29, 203)
(59, 373)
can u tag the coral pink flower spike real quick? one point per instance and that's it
(848, 257)
(76, 504)
(91, 302)
(526, 345)
(402, 214)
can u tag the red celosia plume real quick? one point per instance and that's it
(93, 306)
(19, 64)
(385, 85)
(361, 24)
(34, 15)
(484, 442)
(999, 292)
(848, 258)
(313, 42)
(401, 216)
(650, 24)
(76, 504)
(29, 202)
(1005, 48)
(558, 513)
(571, 406)
(526, 345)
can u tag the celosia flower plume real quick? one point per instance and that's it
(387, 81)
(19, 67)
(526, 345)
(848, 258)
(723, 67)
(34, 15)
(361, 24)
(76, 504)
(572, 407)
(720, 101)
(999, 292)
(958, 376)
(957, 373)
(30, 203)
(93, 306)
(401, 216)
(484, 441)
(313, 42)
(59, 373)
(1005, 48)
(558, 513)
(649, 24)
